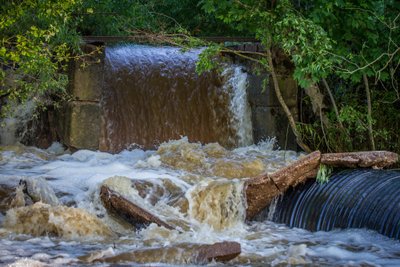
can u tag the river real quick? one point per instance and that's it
(196, 187)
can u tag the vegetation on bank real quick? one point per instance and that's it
(345, 55)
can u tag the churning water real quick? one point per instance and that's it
(196, 187)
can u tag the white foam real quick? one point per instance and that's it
(236, 84)
(76, 179)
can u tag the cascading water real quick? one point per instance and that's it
(351, 199)
(14, 127)
(153, 94)
(192, 186)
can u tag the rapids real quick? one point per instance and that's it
(196, 187)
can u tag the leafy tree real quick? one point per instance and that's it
(37, 38)
(353, 44)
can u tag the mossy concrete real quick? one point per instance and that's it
(80, 119)
(81, 125)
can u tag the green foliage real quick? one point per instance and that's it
(282, 26)
(37, 39)
(115, 17)
(339, 40)
(206, 59)
(324, 173)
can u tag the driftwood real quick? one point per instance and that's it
(188, 253)
(261, 190)
(120, 206)
(374, 159)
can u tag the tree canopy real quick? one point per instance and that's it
(345, 52)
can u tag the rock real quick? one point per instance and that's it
(261, 190)
(120, 206)
(79, 125)
(86, 75)
(39, 190)
(7, 196)
(180, 254)
(363, 159)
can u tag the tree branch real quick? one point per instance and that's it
(370, 133)
(278, 93)
(328, 89)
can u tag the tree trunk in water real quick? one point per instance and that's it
(260, 191)
(118, 205)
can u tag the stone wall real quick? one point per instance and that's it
(80, 123)
(80, 120)
(268, 117)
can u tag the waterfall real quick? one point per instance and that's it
(351, 199)
(14, 126)
(153, 94)
(239, 105)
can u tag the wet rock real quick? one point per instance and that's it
(39, 190)
(375, 159)
(7, 196)
(180, 254)
(120, 206)
(154, 192)
(42, 219)
(19, 197)
(261, 190)
(79, 115)
(238, 168)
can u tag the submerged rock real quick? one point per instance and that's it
(19, 197)
(178, 254)
(42, 219)
(8, 195)
(39, 190)
(209, 160)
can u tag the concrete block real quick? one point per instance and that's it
(272, 122)
(81, 128)
(86, 76)
(268, 98)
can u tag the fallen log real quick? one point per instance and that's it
(120, 206)
(260, 191)
(180, 254)
(363, 159)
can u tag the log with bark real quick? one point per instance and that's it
(363, 159)
(120, 206)
(260, 191)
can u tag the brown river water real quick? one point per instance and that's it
(198, 188)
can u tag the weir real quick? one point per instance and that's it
(351, 199)
(153, 94)
(140, 96)
(192, 194)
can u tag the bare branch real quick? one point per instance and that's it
(367, 91)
